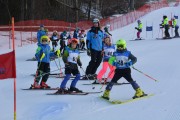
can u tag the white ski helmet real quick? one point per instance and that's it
(95, 20)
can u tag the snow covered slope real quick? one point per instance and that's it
(157, 58)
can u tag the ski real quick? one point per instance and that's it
(72, 93)
(164, 38)
(34, 59)
(40, 88)
(136, 39)
(93, 92)
(176, 37)
(77, 93)
(128, 100)
(51, 74)
(72, 77)
(106, 83)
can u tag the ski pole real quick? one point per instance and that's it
(56, 64)
(87, 78)
(144, 74)
(47, 73)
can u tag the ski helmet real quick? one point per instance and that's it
(121, 44)
(41, 25)
(139, 21)
(74, 40)
(95, 20)
(164, 17)
(64, 32)
(44, 38)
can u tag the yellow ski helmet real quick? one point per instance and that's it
(121, 43)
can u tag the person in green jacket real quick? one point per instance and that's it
(71, 60)
(165, 25)
(174, 21)
(123, 59)
(139, 29)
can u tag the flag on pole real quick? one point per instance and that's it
(7, 65)
(176, 17)
(149, 28)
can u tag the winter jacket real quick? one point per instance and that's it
(71, 56)
(46, 50)
(108, 52)
(121, 58)
(40, 33)
(95, 39)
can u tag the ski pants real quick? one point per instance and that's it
(104, 69)
(176, 32)
(73, 83)
(43, 72)
(68, 72)
(138, 34)
(96, 58)
(126, 73)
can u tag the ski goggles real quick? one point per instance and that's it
(44, 40)
(120, 46)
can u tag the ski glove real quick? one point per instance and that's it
(136, 28)
(42, 56)
(129, 64)
(88, 52)
(58, 53)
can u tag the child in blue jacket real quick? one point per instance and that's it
(43, 55)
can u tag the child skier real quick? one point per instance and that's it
(139, 29)
(82, 36)
(43, 55)
(71, 59)
(106, 31)
(109, 49)
(176, 27)
(123, 59)
(54, 38)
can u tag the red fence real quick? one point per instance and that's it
(115, 22)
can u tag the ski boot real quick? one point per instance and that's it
(74, 89)
(106, 94)
(62, 91)
(139, 93)
(44, 85)
(35, 86)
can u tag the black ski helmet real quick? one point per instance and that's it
(164, 17)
